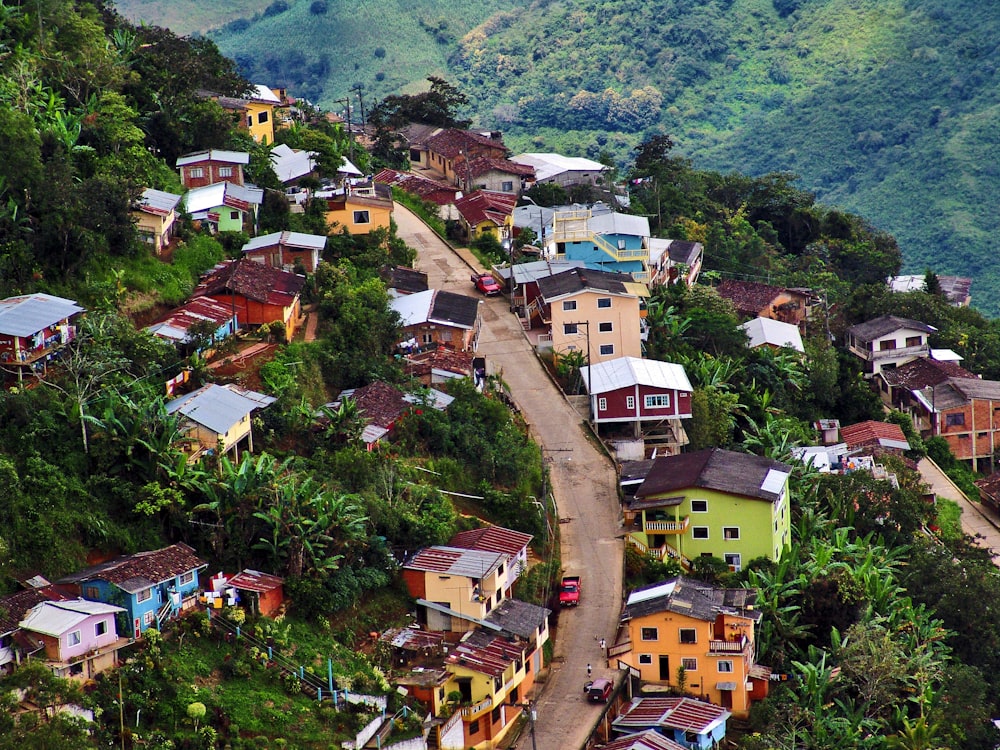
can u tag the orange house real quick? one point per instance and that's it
(360, 208)
(256, 293)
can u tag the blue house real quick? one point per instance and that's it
(604, 240)
(692, 723)
(153, 587)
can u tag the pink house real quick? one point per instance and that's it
(80, 637)
(631, 389)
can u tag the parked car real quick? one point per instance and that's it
(486, 284)
(600, 690)
(569, 591)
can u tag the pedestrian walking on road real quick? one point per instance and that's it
(589, 670)
(604, 645)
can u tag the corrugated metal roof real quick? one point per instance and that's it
(287, 239)
(198, 200)
(254, 580)
(548, 165)
(290, 164)
(27, 314)
(414, 308)
(218, 407)
(616, 223)
(55, 618)
(625, 372)
(762, 331)
(685, 714)
(647, 740)
(158, 201)
(469, 563)
(492, 539)
(226, 157)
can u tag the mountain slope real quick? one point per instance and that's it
(883, 107)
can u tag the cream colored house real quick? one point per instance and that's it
(155, 214)
(217, 417)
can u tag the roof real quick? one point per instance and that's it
(442, 359)
(470, 563)
(264, 94)
(287, 239)
(27, 314)
(14, 607)
(761, 331)
(486, 205)
(139, 571)
(254, 580)
(679, 251)
(439, 193)
(648, 740)
(485, 653)
(955, 392)
(884, 325)
(56, 618)
(482, 164)
(290, 163)
(219, 407)
(548, 165)
(576, 280)
(923, 372)
(525, 273)
(214, 154)
(955, 288)
(989, 486)
(519, 618)
(437, 306)
(749, 297)
(451, 142)
(717, 469)
(691, 597)
(405, 279)
(199, 201)
(176, 325)
(628, 372)
(872, 433)
(492, 539)
(683, 714)
(157, 202)
(410, 639)
(255, 281)
(616, 223)
(382, 404)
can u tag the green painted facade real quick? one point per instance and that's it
(719, 524)
(226, 221)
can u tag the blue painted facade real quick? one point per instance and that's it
(144, 606)
(601, 260)
(706, 741)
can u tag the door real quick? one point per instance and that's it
(664, 667)
(136, 628)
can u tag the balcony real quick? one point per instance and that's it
(883, 354)
(667, 527)
(739, 646)
(473, 711)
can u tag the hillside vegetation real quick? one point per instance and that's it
(882, 107)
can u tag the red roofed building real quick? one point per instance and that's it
(513, 544)
(181, 326)
(439, 365)
(485, 212)
(257, 293)
(497, 175)
(263, 594)
(676, 718)
(754, 300)
(439, 193)
(448, 151)
(877, 437)
(648, 740)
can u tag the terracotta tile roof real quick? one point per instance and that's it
(143, 569)
(176, 324)
(470, 563)
(440, 193)
(14, 607)
(442, 358)
(480, 165)
(252, 280)
(988, 486)
(380, 403)
(923, 372)
(749, 297)
(685, 714)
(492, 539)
(485, 205)
(872, 433)
(449, 143)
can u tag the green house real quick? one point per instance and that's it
(713, 502)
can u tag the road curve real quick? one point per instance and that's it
(583, 484)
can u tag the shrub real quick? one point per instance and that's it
(318, 8)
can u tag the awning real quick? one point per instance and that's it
(725, 686)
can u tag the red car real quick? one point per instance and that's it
(600, 690)
(486, 284)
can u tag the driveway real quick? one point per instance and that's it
(583, 484)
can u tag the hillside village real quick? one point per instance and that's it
(326, 485)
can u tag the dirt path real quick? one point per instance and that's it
(583, 485)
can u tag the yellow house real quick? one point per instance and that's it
(155, 214)
(688, 634)
(256, 112)
(360, 208)
(593, 312)
(217, 417)
(455, 588)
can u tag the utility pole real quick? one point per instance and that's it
(359, 88)
(350, 135)
(590, 364)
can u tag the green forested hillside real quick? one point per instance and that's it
(881, 106)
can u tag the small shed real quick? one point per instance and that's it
(262, 593)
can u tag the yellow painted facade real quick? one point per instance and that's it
(359, 215)
(613, 322)
(259, 119)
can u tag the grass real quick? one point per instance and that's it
(949, 520)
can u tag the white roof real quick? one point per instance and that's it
(27, 314)
(218, 407)
(652, 592)
(774, 481)
(537, 269)
(908, 283)
(414, 308)
(290, 164)
(158, 200)
(264, 94)
(347, 168)
(625, 372)
(616, 223)
(946, 355)
(549, 165)
(289, 239)
(762, 331)
(204, 199)
(56, 618)
(214, 154)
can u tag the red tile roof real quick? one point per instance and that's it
(143, 569)
(252, 280)
(923, 372)
(871, 433)
(480, 165)
(749, 297)
(380, 403)
(442, 358)
(486, 205)
(440, 193)
(686, 714)
(492, 539)
(450, 143)
(485, 653)
(253, 580)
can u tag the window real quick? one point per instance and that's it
(650, 634)
(499, 595)
(569, 304)
(730, 532)
(474, 726)
(914, 341)
(262, 117)
(605, 327)
(225, 171)
(427, 337)
(885, 346)
(688, 635)
(249, 121)
(495, 715)
(603, 302)
(570, 329)
(657, 401)
(607, 350)
(954, 420)
(101, 628)
(689, 665)
(514, 695)
(362, 217)
(187, 578)
(91, 592)
(77, 668)
(734, 561)
(507, 187)
(645, 658)
(234, 215)
(699, 506)
(699, 532)
(144, 596)
(602, 404)
(147, 619)
(630, 402)
(74, 638)
(725, 665)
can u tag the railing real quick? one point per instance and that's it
(729, 647)
(470, 712)
(670, 527)
(619, 648)
(889, 353)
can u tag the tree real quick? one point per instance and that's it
(196, 712)
(438, 106)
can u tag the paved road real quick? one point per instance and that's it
(583, 483)
(979, 522)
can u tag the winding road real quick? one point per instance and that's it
(583, 484)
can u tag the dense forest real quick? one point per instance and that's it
(879, 612)
(882, 108)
